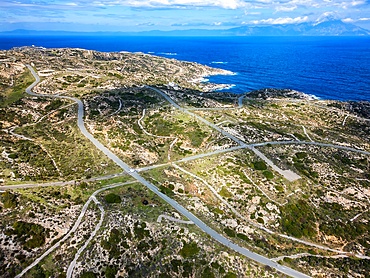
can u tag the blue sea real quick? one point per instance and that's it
(327, 67)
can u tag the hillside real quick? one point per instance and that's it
(110, 160)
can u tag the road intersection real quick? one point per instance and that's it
(135, 173)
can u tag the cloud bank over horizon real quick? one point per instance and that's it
(142, 15)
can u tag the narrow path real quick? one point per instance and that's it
(288, 174)
(205, 228)
(148, 133)
(263, 192)
(22, 137)
(170, 148)
(173, 219)
(344, 121)
(61, 183)
(358, 215)
(119, 108)
(97, 228)
(51, 112)
(305, 133)
(74, 228)
(157, 136)
(295, 138)
(211, 189)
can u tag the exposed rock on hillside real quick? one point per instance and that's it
(270, 93)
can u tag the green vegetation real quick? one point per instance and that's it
(54, 104)
(260, 165)
(111, 271)
(140, 230)
(166, 190)
(230, 232)
(207, 273)
(189, 250)
(30, 234)
(298, 219)
(225, 193)
(112, 198)
(73, 154)
(269, 175)
(333, 214)
(243, 237)
(301, 155)
(34, 155)
(347, 231)
(88, 274)
(115, 240)
(345, 266)
(302, 164)
(230, 275)
(9, 199)
(13, 93)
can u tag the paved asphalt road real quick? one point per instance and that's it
(80, 122)
(174, 104)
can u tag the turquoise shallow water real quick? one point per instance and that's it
(327, 67)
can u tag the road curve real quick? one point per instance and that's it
(72, 230)
(223, 240)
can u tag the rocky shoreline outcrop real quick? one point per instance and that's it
(271, 93)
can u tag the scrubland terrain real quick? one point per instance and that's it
(275, 172)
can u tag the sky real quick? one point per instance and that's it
(145, 15)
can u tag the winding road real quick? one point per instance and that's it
(241, 250)
(74, 228)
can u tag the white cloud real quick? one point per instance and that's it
(356, 3)
(282, 20)
(285, 8)
(226, 4)
(348, 20)
(252, 13)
